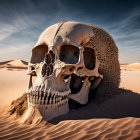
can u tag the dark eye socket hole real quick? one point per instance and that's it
(89, 58)
(69, 54)
(61, 57)
(38, 53)
(76, 53)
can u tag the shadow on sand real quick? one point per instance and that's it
(125, 104)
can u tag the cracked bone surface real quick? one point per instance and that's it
(64, 68)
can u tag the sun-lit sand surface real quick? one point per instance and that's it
(12, 85)
(118, 118)
(130, 77)
(130, 80)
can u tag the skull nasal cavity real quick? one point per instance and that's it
(47, 68)
(89, 58)
(49, 57)
(69, 54)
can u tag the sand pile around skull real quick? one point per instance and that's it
(19, 106)
(116, 118)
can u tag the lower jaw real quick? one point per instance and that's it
(47, 112)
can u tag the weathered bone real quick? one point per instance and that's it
(31, 69)
(60, 55)
(82, 96)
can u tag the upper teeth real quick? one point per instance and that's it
(61, 93)
(50, 98)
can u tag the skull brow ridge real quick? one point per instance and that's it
(60, 25)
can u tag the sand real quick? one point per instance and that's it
(96, 129)
(14, 65)
(117, 118)
(133, 66)
(12, 85)
(130, 80)
(130, 77)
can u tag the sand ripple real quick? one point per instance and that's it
(96, 129)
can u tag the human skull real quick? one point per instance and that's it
(65, 68)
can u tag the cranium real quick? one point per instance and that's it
(65, 68)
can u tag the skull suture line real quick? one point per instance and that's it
(64, 68)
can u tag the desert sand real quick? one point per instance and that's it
(133, 66)
(130, 77)
(117, 118)
(13, 65)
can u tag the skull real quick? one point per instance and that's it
(65, 68)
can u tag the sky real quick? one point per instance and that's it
(22, 22)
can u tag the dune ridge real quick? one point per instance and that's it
(14, 64)
(133, 66)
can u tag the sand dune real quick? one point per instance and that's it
(14, 64)
(117, 118)
(133, 66)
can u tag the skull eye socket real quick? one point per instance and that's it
(69, 54)
(89, 58)
(38, 54)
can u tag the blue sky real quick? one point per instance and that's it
(22, 21)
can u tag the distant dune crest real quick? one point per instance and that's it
(21, 63)
(14, 64)
(131, 66)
